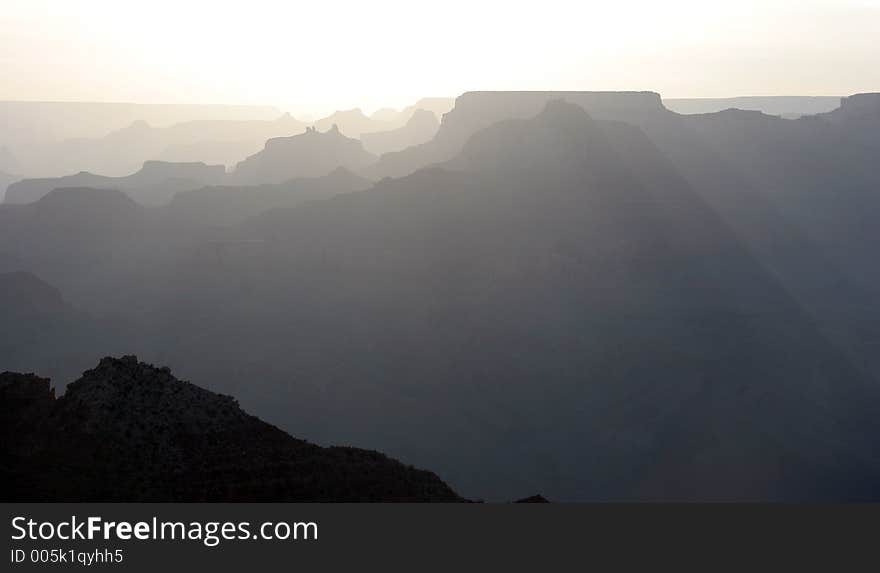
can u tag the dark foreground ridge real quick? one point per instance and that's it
(128, 431)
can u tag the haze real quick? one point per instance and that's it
(315, 57)
(440, 252)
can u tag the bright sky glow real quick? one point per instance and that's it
(323, 55)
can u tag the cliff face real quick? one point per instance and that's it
(858, 107)
(475, 111)
(128, 431)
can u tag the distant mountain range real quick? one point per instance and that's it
(54, 139)
(637, 309)
(128, 431)
(474, 111)
(789, 107)
(30, 122)
(122, 151)
(309, 155)
(154, 184)
(352, 123)
(436, 105)
(578, 293)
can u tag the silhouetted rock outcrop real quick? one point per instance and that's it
(127, 431)
(352, 123)
(311, 154)
(155, 183)
(222, 142)
(857, 107)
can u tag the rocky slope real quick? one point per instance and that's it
(128, 431)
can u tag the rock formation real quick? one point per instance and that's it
(128, 431)
(311, 154)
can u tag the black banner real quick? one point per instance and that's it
(414, 537)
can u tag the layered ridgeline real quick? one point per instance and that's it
(121, 151)
(85, 137)
(231, 204)
(354, 123)
(595, 298)
(801, 193)
(41, 327)
(570, 311)
(55, 139)
(789, 107)
(420, 128)
(127, 431)
(397, 118)
(310, 154)
(154, 184)
(474, 111)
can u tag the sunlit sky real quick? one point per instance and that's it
(318, 56)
